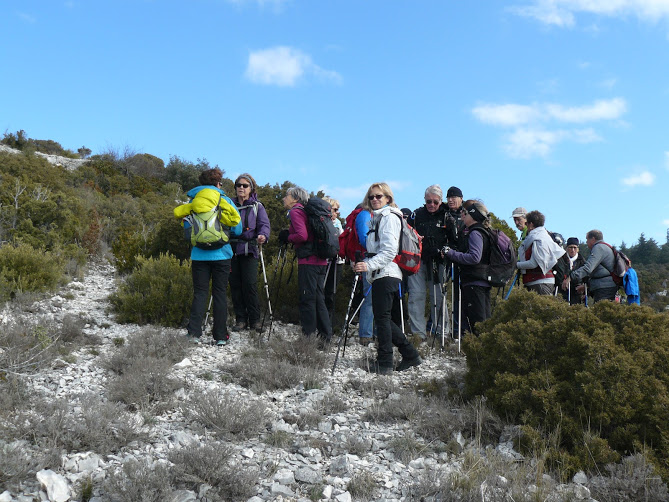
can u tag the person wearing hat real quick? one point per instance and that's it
(473, 262)
(576, 261)
(244, 265)
(430, 221)
(519, 219)
(597, 268)
(537, 255)
(455, 227)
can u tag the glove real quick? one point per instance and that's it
(445, 250)
(283, 236)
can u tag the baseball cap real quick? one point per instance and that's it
(519, 211)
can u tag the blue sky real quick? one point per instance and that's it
(555, 105)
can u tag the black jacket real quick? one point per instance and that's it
(433, 228)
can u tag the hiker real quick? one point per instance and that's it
(537, 255)
(335, 266)
(311, 270)
(631, 286)
(366, 316)
(597, 267)
(519, 219)
(430, 222)
(210, 264)
(385, 276)
(473, 262)
(244, 265)
(454, 232)
(570, 294)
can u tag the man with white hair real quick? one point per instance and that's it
(430, 221)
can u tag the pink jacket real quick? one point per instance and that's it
(300, 232)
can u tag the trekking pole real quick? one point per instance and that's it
(276, 270)
(459, 317)
(276, 296)
(401, 308)
(585, 286)
(327, 272)
(515, 279)
(344, 331)
(453, 301)
(206, 317)
(264, 276)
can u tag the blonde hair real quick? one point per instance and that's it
(332, 202)
(385, 188)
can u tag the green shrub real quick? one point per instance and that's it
(159, 291)
(596, 379)
(24, 269)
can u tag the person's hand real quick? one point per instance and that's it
(581, 288)
(262, 239)
(565, 283)
(283, 236)
(360, 267)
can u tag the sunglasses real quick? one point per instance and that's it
(378, 196)
(335, 209)
(242, 185)
(433, 202)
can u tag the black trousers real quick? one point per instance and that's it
(203, 272)
(313, 312)
(386, 308)
(331, 286)
(475, 306)
(244, 288)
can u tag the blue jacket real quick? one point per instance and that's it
(224, 253)
(631, 284)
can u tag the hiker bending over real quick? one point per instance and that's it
(597, 267)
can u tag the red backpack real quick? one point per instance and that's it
(348, 239)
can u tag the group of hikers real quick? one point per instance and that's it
(457, 244)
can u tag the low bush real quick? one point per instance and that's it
(147, 343)
(25, 269)
(596, 378)
(141, 481)
(144, 385)
(212, 464)
(227, 414)
(158, 291)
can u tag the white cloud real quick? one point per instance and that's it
(531, 137)
(562, 13)
(284, 66)
(644, 178)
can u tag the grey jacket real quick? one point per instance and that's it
(597, 267)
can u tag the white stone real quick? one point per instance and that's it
(55, 485)
(186, 363)
(248, 453)
(581, 492)
(182, 496)
(327, 491)
(6, 496)
(284, 476)
(279, 489)
(308, 475)
(343, 497)
(580, 478)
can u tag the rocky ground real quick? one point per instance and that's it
(327, 460)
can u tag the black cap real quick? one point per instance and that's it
(454, 192)
(406, 212)
(572, 241)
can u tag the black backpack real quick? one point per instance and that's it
(503, 258)
(326, 239)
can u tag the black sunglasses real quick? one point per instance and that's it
(242, 185)
(435, 202)
(378, 196)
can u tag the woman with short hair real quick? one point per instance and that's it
(385, 276)
(244, 265)
(311, 270)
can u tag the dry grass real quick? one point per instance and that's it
(138, 481)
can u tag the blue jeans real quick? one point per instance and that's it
(366, 321)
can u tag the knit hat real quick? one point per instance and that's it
(519, 211)
(572, 241)
(454, 192)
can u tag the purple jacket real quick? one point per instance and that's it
(254, 222)
(300, 233)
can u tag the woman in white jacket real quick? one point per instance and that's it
(385, 277)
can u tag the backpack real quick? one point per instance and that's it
(410, 247)
(349, 243)
(206, 230)
(503, 258)
(621, 263)
(326, 239)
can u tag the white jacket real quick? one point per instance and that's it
(386, 247)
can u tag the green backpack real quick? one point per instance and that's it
(207, 232)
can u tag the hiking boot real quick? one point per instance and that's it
(221, 343)
(193, 339)
(379, 370)
(256, 325)
(405, 364)
(323, 343)
(365, 340)
(240, 325)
